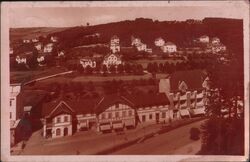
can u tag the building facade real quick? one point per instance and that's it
(112, 59)
(159, 42)
(88, 62)
(204, 39)
(186, 91)
(169, 47)
(115, 44)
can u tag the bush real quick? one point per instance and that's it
(195, 133)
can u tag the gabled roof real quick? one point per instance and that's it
(114, 37)
(106, 56)
(159, 38)
(110, 100)
(147, 99)
(192, 78)
(203, 36)
(169, 43)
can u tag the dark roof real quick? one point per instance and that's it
(148, 99)
(79, 106)
(109, 100)
(193, 79)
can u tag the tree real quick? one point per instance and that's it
(223, 133)
(88, 70)
(112, 69)
(120, 68)
(104, 69)
(127, 68)
(150, 67)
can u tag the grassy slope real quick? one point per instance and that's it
(28, 33)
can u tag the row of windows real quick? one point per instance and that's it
(157, 116)
(117, 114)
(62, 119)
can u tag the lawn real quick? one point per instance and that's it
(145, 62)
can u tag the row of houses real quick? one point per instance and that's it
(167, 47)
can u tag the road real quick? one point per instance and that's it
(174, 142)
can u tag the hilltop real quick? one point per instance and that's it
(28, 33)
(179, 32)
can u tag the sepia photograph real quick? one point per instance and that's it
(167, 80)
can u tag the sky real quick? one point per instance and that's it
(75, 16)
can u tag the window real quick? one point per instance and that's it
(66, 119)
(163, 115)
(58, 132)
(130, 113)
(117, 114)
(58, 119)
(143, 118)
(124, 113)
(150, 116)
(103, 116)
(110, 115)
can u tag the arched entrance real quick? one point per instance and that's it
(65, 131)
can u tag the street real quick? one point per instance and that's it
(91, 142)
(174, 142)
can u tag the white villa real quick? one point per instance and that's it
(169, 47)
(204, 39)
(115, 44)
(135, 41)
(112, 59)
(88, 62)
(21, 59)
(215, 40)
(159, 42)
(48, 48)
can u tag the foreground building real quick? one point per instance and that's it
(64, 116)
(186, 91)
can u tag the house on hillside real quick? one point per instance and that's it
(41, 59)
(159, 42)
(204, 39)
(135, 41)
(115, 44)
(112, 59)
(48, 48)
(169, 47)
(38, 46)
(215, 40)
(88, 62)
(216, 48)
(186, 91)
(34, 40)
(26, 40)
(141, 47)
(54, 39)
(23, 58)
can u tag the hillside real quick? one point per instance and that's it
(28, 33)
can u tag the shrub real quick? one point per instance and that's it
(194, 133)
